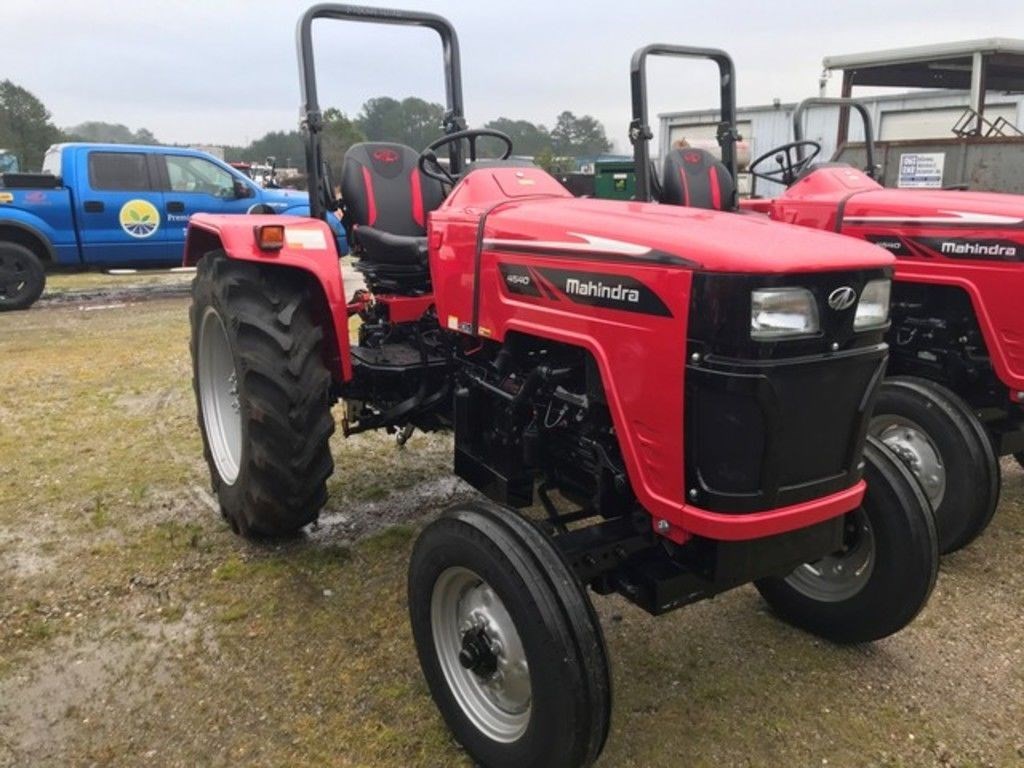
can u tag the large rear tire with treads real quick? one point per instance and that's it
(263, 394)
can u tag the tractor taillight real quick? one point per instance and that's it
(270, 237)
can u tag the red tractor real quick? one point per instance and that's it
(953, 398)
(670, 384)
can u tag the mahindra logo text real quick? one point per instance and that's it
(599, 290)
(978, 249)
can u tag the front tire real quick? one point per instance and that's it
(941, 441)
(509, 643)
(22, 277)
(885, 572)
(262, 395)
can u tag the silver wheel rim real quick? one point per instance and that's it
(842, 574)
(465, 606)
(218, 394)
(916, 450)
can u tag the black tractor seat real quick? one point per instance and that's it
(696, 178)
(386, 201)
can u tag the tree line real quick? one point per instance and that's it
(416, 123)
(27, 129)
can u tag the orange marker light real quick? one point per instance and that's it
(270, 237)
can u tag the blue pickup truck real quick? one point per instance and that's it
(115, 205)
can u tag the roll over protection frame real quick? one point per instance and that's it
(640, 133)
(842, 103)
(312, 117)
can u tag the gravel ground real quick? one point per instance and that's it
(135, 629)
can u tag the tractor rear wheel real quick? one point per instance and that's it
(936, 434)
(263, 395)
(22, 277)
(883, 575)
(509, 643)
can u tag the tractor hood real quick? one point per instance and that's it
(525, 209)
(704, 240)
(936, 209)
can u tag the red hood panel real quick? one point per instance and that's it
(706, 240)
(936, 208)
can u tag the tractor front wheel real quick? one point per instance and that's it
(263, 395)
(883, 574)
(940, 440)
(509, 643)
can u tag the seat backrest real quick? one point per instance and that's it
(696, 178)
(381, 187)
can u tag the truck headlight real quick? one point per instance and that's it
(873, 307)
(778, 313)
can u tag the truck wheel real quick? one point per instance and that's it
(935, 433)
(882, 577)
(509, 643)
(263, 395)
(22, 277)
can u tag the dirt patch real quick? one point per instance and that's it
(58, 690)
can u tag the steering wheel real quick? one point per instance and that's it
(790, 163)
(431, 167)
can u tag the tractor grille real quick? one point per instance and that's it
(769, 425)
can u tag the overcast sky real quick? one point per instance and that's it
(224, 71)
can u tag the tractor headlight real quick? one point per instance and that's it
(873, 307)
(778, 313)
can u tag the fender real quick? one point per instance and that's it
(36, 228)
(310, 246)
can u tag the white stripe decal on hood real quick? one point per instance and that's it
(590, 244)
(951, 217)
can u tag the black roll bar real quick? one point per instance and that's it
(640, 133)
(312, 117)
(844, 104)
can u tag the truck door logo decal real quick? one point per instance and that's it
(139, 218)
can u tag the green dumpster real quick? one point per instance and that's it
(614, 180)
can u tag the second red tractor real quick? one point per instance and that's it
(953, 398)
